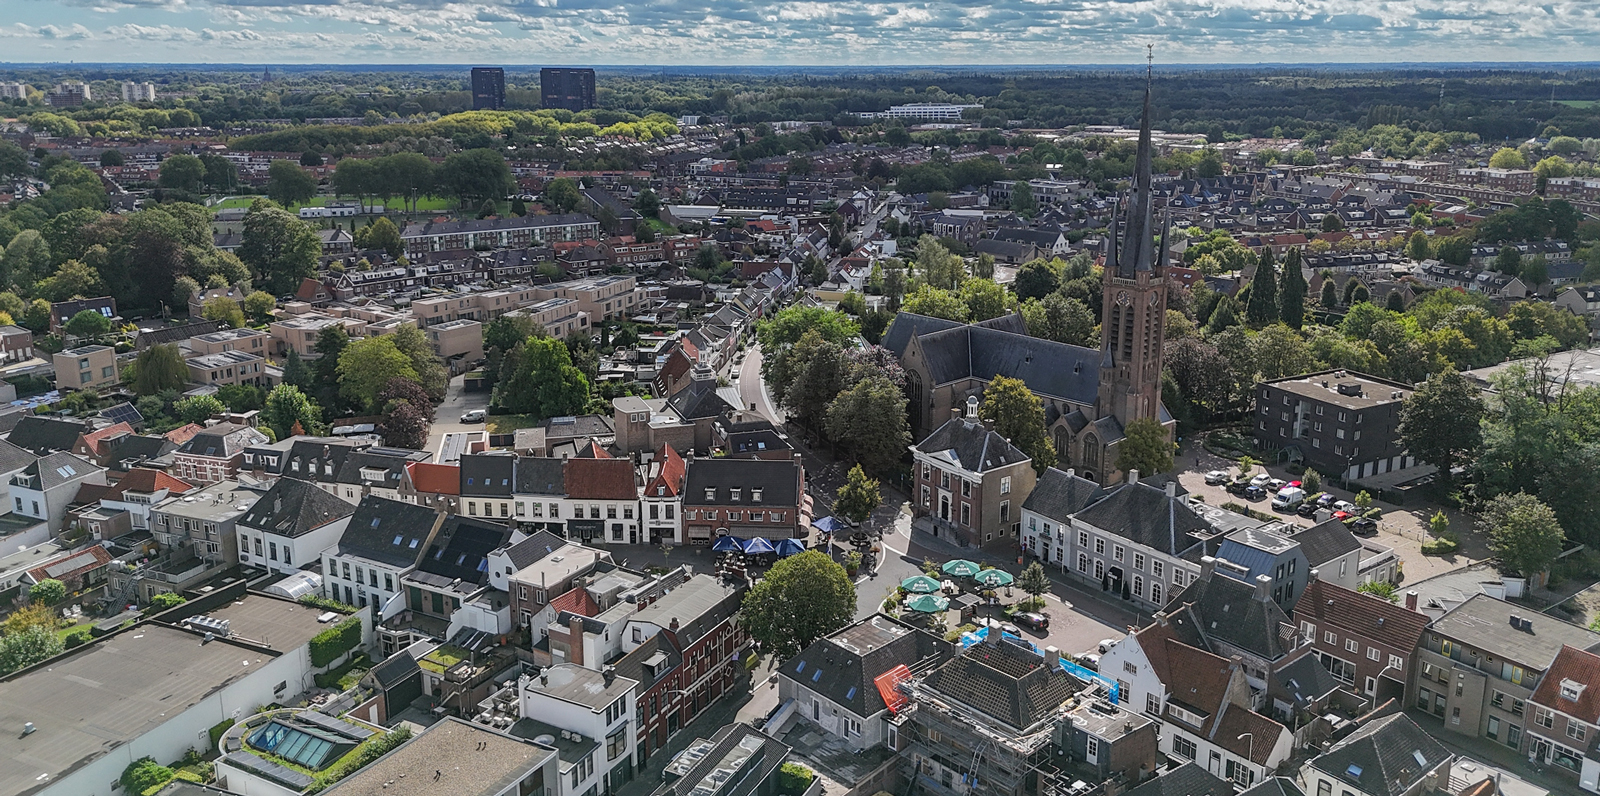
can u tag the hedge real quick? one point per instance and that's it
(319, 601)
(794, 778)
(370, 750)
(1440, 547)
(327, 646)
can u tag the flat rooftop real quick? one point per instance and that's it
(1485, 622)
(570, 682)
(272, 621)
(105, 695)
(1344, 388)
(875, 633)
(454, 757)
(219, 502)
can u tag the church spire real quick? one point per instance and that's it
(1136, 244)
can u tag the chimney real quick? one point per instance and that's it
(544, 678)
(1172, 488)
(673, 625)
(575, 640)
(1208, 565)
(1411, 600)
(610, 673)
(1133, 475)
(972, 407)
(1263, 588)
(1072, 471)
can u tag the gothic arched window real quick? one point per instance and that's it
(1091, 451)
(1063, 443)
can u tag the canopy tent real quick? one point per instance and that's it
(993, 578)
(789, 547)
(920, 584)
(961, 568)
(726, 544)
(757, 546)
(928, 603)
(829, 524)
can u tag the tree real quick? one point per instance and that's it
(1417, 247)
(985, 299)
(260, 305)
(224, 310)
(310, 158)
(27, 258)
(1508, 261)
(1381, 589)
(1033, 581)
(430, 371)
(1332, 223)
(1263, 306)
(1439, 421)
(143, 774)
(786, 328)
(1507, 158)
(381, 234)
(1395, 301)
(182, 173)
(295, 370)
(1535, 272)
(870, 420)
(281, 249)
(1330, 293)
(1292, 290)
(288, 184)
(1523, 532)
(159, 368)
(1454, 249)
(538, 377)
(367, 365)
(857, 497)
(647, 204)
(27, 647)
(475, 175)
(1018, 415)
(1351, 285)
(1439, 525)
(72, 279)
(405, 426)
(940, 268)
(1062, 319)
(47, 592)
(488, 208)
(198, 408)
(1022, 201)
(1247, 465)
(287, 407)
(561, 195)
(183, 289)
(811, 378)
(1037, 279)
(802, 598)
(935, 303)
(88, 324)
(1145, 447)
(165, 601)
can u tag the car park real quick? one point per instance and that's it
(1253, 493)
(1033, 620)
(1308, 509)
(1216, 477)
(1261, 480)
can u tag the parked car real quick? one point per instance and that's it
(1090, 662)
(1033, 620)
(1308, 509)
(475, 416)
(1261, 480)
(1105, 645)
(1010, 629)
(1237, 487)
(1362, 526)
(1216, 477)
(1342, 515)
(1288, 498)
(1275, 484)
(1345, 506)
(1254, 493)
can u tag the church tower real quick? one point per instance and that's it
(1134, 300)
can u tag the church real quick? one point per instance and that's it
(1089, 395)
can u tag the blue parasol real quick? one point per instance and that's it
(789, 547)
(726, 544)
(757, 546)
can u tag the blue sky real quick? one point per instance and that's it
(803, 32)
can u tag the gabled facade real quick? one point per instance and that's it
(1390, 756)
(382, 543)
(1564, 725)
(970, 482)
(295, 522)
(1367, 643)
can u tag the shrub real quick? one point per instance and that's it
(370, 750)
(794, 778)
(1440, 547)
(319, 601)
(1380, 589)
(143, 774)
(327, 646)
(47, 592)
(217, 730)
(164, 601)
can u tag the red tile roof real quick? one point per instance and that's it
(92, 440)
(1360, 614)
(438, 479)
(144, 479)
(183, 434)
(669, 477)
(578, 601)
(71, 565)
(600, 479)
(1580, 667)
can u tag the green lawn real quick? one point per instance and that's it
(1579, 103)
(440, 660)
(424, 204)
(75, 630)
(506, 424)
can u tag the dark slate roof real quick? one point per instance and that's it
(698, 605)
(632, 665)
(131, 449)
(972, 446)
(392, 461)
(223, 440)
(533, 549)
(1275, 786)
(1059, 495)
(1227, 610)
(44, 435)
(293, 507)
(539, 476)
(462, 548)
(487, 474)
(754, 442)
(1326, 541)
(778, 480)
(59, 468)
(388, 531)
(843, 666)
(1381, 759)
(1144, 514)
(1305, 681)
(316, 458)
(1189, 779)
(1005, 681)
(1058, 370)
(907, 325)
(13, 457)
(174, 334)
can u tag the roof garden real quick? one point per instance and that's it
(442, 659)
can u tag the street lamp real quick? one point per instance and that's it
(1250, 754)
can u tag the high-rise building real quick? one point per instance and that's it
(572, 89)
(138, 92)
(70, 93)
(14, 91)
(488, 88)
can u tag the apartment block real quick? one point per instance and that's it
(229, 367)
(87, 367)
(253, 341)
(1337, 421)
(602, 297)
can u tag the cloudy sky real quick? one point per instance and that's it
(804, 32)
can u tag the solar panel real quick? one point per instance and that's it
(123, 413)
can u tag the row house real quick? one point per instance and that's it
(558, 317)
(685, 650)
(486, 485)
(16, 344)
(539, 488)
(663, 496)
(1520, 181)
(1388, 756)
(215, 454)
(481, 306)
(584, 625)
(127, 505)
(202, 523)
(45, 489)
(292, 524)
(1047, 514)
(971, 482)
(601, 501)
(1143, 541)
(598, 707)
(601, 297)
(537, 570)
(745, 498)
(374, 282)
(497, 233)
(630, 251)
(383, 541)
(1580, 189)
(432, 485)
(1489, 283)
(222, 341)
(1366, 643)
(1565, 717)
(299, 333)
(1480, 663)
(449, 589)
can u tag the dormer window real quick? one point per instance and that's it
(711, 493)
(661, 491)
(733, 494)
(755, 495)
(1572, 690)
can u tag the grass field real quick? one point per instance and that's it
(506, 424)
(1579, 103)
(424, 204)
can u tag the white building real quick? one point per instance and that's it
(924, 110)
(593, 713)
(138, 92)
(382, 542)
(293, 524)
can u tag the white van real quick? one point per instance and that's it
(1288, 498)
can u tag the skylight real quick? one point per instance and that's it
(1353, 772)
(1416, 754)
(851, 694)
(375, 521)
(397, 539)
(816, 676)
(413, 544)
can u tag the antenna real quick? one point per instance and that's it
(1150, 62)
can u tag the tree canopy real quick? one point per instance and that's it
(801, 599)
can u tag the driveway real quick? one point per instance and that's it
(447, 418)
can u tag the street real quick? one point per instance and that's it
(447, 418)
